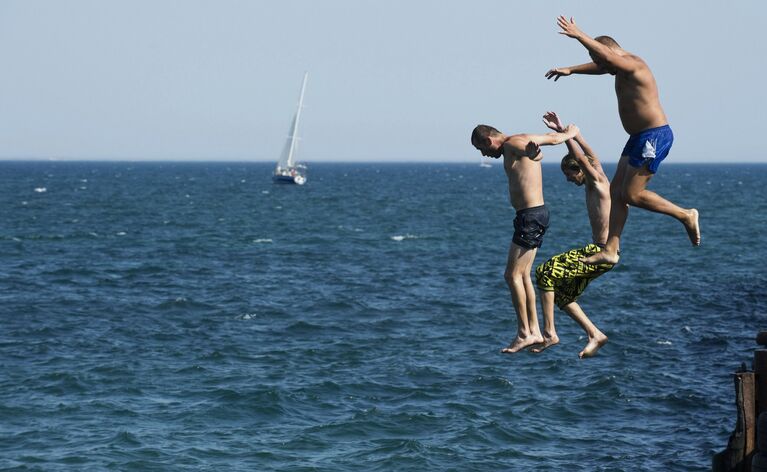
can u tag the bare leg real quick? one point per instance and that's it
(550, 337)
(634, 192)
(597, 338)
(532, 313)
(520, 260)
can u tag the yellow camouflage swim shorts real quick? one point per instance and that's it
(566, 276)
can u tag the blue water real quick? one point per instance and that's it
(179, 316)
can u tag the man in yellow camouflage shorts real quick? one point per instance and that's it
(563, 278)
(566, 276)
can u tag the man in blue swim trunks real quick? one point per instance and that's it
(650, 136)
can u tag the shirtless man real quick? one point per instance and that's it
(522, 162)
(650, 135)
(563, 278)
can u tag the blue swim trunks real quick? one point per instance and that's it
(650, 147)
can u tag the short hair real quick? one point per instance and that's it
(482, 132)
(570, 163)
(607, 41)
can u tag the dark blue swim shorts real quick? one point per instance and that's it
(530, 225)
(649, 147)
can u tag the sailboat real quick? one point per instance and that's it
(287, 170)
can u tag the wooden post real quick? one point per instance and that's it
(760, 369)
(747, 408)
(742, 443)
(742, 450)
(760, 385)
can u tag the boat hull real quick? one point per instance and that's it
(289, 179)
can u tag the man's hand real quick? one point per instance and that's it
(557, 73)
(532, 150)
(551, 120)
(569, 28)
(572, 131)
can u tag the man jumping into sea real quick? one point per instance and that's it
(650, 136)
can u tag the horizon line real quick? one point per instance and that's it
(250, 161)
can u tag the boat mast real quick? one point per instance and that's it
(294, 133)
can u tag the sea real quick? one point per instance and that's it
(164, 316)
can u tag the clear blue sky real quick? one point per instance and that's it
(389, 80)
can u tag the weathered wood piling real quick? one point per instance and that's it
(747, 447)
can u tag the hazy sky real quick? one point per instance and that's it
(388, 80)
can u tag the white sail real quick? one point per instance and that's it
(288, 156)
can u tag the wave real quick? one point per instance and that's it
(402, 237)
(183, 302)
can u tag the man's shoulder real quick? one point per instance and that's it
(517, 138)
(515, 143)
(639, 64)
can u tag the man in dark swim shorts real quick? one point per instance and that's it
(522, 163)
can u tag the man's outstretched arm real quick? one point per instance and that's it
(577, 146)
(589, 68)
(570, 29)
(586, 148)
(552, 139)
(552, 121)
(529, 145)
(588, 166)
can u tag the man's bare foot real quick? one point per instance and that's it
(692, 227)
(602, 257)
(521, 343)
(548, 341)
(593, 346)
